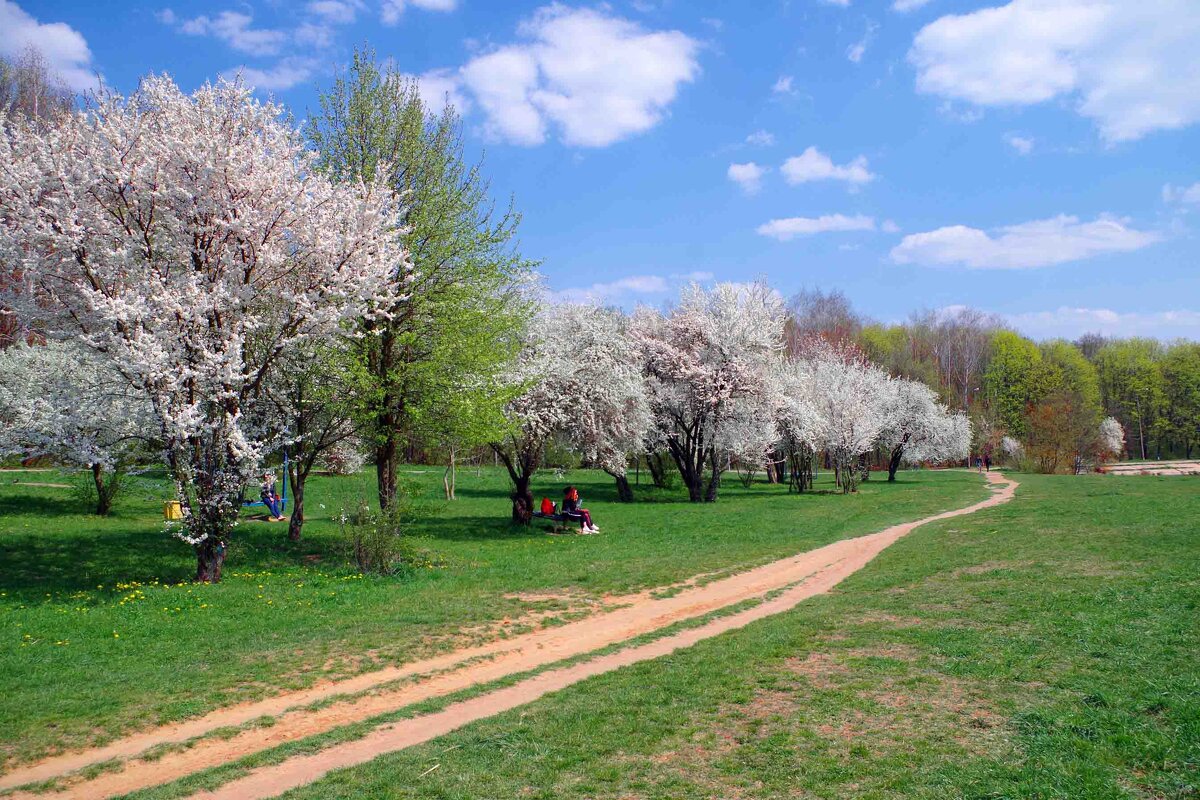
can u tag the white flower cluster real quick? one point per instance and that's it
(188, 241)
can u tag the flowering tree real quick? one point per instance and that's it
(708, 371)
(189, 240)
(852, 399)
(800, 427)
(62, 401)
(1112, 437)
(919, 428)
(581, 380)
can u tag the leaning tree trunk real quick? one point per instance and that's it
(210, 558)
(658, 469)
(104, 492)
(624, 490)
(894, 462)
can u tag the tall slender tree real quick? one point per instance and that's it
(373, 123)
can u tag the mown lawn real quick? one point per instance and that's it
(101, 631)
(1043, 649)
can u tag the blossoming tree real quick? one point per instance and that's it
(580, 380)
(1112, 438)
(62, 401)
(852, 401)
(919, 428)
(189, 241)
(708, 375)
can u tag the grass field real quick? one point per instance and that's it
(1042, 649)
(102, 632)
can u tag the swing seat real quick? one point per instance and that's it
(282, 495)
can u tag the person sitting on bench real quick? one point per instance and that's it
(571, 510)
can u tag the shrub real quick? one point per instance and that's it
(375, 541)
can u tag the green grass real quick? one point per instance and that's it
(1042, 649)
(101, 632)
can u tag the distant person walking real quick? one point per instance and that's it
(987, 461)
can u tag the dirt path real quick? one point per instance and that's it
(1180, 467)
(801, 576)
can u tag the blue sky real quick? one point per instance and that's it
(1038, 159)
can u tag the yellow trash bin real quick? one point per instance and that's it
(172, 510)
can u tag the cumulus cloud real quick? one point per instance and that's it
(813, 165)
(1069, 323)
(236, 30)
(904, 6)
(791, 227)
(1021, 144)
(64, 48)
(391, 10)
(1132, 67)
(595, 77)
(1041, 243)
(1188, 195)
(783, 85)
(284, 75)
(748, 176)
(440, 86)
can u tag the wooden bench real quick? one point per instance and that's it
(558, 521)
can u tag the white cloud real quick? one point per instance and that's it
(889, 226)
(284, 75)
(813, 165)
(783, 85)
(1067, 322)
(748, 176)
(166, 16)
(1040, 243)
(234, 28)
(596, 77)
(335, 12)
(391, 10)
(1022, 144)
(1130, 66)
(791, 227)
(838, 3)
(761, 139)
(904, 6)
(856, 51)
(699, 276)
(64, 48)
(1189, 195)
(439, 86)
(314, 35)
(619, 289)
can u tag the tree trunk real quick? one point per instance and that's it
(894, 463)
(385, 469)
(104, 494)
(658, 469)
(714, 481)
(624, 490)
(450, 476)
(522, 500)
(210, 557)
(296, 522)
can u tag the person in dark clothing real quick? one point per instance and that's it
(270, 498)
(987, 461)
(571, 509)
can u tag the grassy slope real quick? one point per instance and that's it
(100, 633)
(1046, 648)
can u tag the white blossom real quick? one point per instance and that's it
(709, 368)
(1112, 436)
(189, 240)
(919, 428)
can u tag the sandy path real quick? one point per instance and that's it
(812, 572)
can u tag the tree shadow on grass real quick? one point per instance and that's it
(14, 505)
